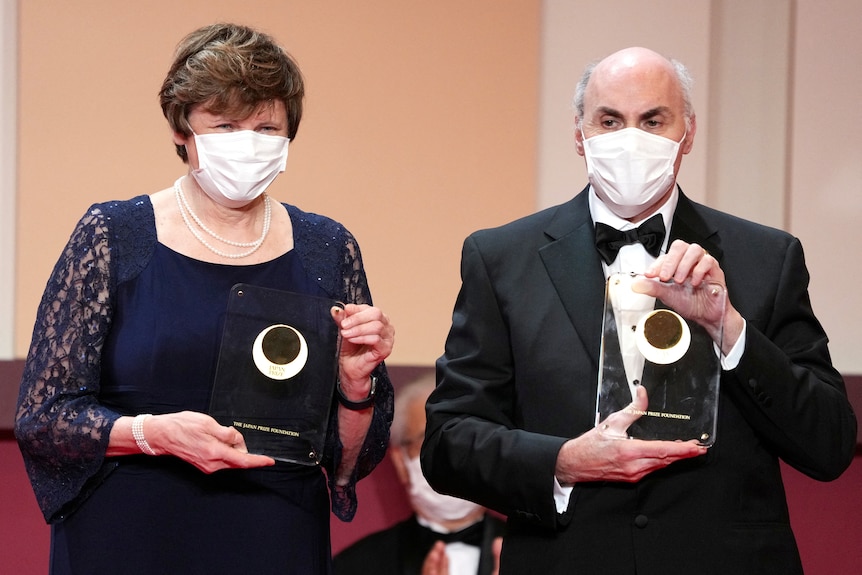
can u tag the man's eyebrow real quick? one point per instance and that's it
(651, 113)
(657, 111)
(606, 111)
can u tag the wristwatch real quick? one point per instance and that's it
(362, 403)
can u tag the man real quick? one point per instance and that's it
(446, 535)
(511, 423)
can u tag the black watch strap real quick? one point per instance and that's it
(362, 403)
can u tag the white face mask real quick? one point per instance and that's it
(236, 167)
(434, 506)
(630, 169)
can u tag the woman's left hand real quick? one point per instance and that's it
(367, 338)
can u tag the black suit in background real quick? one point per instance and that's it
(402, 548)
(519, 376)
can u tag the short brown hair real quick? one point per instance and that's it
(229, 68)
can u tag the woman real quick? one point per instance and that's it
(130, 323)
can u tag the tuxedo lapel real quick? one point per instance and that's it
(690, 227)
(575, 269)
(414, 547)
(574, 266)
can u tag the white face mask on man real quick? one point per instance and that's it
(630, 169)
(234, 168)
(433, 506)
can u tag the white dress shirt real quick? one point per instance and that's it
(635, 259)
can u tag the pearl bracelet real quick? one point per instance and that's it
(138, 433)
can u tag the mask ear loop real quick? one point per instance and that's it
(189, 127)
(687, 128)
(579, 127)
(190, 133)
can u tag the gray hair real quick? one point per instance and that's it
(683, 76)
(406, 395)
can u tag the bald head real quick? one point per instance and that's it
(636, 66)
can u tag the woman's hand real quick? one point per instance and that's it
(367, 338)
(200, 440)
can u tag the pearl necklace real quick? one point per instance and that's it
(185, 207)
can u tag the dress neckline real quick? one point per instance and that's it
(170, 250)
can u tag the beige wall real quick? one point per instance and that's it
(427, 120)
(419, 127)
(825, 167)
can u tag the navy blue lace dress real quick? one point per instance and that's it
(129, 326)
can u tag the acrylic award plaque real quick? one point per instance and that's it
(276, 372)
(646, 343)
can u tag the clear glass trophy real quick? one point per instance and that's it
(276, 372)
(646, 342)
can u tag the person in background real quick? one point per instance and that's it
(445, 535)
(128, 469)
(511, 424)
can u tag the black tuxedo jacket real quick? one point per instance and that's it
(519, 376)
(402, 548)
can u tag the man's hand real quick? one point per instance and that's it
(605, 453)
(707, 303)
(436, 562)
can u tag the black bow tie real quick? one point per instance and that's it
(609, 240)
(472, 535)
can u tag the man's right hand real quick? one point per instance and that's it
(605, 453)
(436, 562)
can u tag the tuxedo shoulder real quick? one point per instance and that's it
(517, 230)
(726, 221)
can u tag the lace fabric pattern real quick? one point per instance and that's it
(345, 280)
(61, 428)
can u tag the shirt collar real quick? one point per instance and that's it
(601, 213)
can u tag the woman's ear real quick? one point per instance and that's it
(180, 139)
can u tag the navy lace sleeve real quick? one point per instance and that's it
(61, 428)
(331, 255)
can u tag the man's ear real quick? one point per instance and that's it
(691, 129)
(397, 454)
(579, 137)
